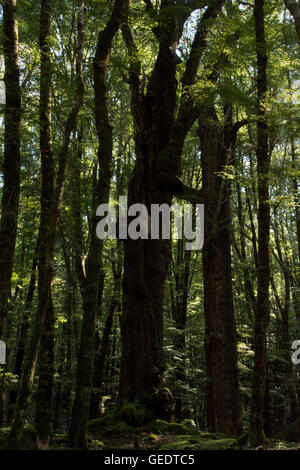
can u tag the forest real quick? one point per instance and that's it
(148, 342)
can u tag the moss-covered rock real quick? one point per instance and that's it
(96, 426)
(135, 414)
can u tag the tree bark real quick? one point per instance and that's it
(256, 428)
(51, 200)
(90, 278)
(217, 155)
(159, 139)
(44, 400)
(101, 356)
(179, 314)
(11, 164)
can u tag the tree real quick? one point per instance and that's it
(51, 200)
(159, 139)
(90, 277)
(256, 430)
(12, 163)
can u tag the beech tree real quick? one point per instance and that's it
(11, 163)
(256, 432)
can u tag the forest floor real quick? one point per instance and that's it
(109, 433)
(161, 435)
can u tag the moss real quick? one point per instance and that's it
(158, 426)
(190, 423)
(118, 429)
(109, 426)
(199, 443)
(94, 444)
(135, 414)
(96, 426)
(163, 427)
(152, 438)
(218, 444)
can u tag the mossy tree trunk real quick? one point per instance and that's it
(11, 163)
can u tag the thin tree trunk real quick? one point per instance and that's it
(23, 334)
(45, 269)
(249, 290)
(51, 200)
(102, 355)
(256, 428)
(90, 279)
(43, 417)
(179, 314)
(11, 164)
(25, 321)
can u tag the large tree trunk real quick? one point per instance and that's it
(223, 399)
(146, 262)
(11, 164)
(159, 139)
(256, 429)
